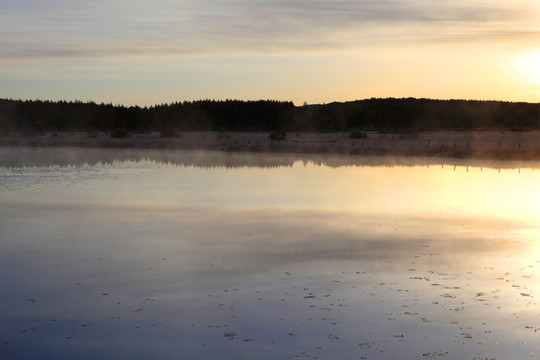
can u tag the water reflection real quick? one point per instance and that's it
(14, 157)
(146, 259)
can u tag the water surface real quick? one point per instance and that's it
(142, 254)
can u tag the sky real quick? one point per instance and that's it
(149, 52)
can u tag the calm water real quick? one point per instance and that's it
(178, 255)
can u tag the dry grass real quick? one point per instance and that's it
(456, 144)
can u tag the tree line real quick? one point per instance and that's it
(376, 114)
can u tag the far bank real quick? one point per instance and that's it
(511, 145)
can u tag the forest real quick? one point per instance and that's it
(375, 114)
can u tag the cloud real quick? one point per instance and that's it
(327, 23)
(105, 28)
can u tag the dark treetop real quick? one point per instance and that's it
(268, 115)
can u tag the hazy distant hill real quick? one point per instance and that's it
(267, 115)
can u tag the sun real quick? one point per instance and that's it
(528, 65)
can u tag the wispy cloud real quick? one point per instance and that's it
(104, 28)
(335, 23)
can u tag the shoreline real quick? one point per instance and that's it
(482, 145)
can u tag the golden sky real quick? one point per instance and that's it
(316, 51)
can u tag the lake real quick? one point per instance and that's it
(138, 254)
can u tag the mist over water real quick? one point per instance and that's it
(138, 254)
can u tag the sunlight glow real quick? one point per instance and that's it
(529, 66)
(447, 190)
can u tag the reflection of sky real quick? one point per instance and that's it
(425, 189)
(150, 260)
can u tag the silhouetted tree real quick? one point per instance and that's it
(269, 115)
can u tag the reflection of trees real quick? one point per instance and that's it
(12, 157)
